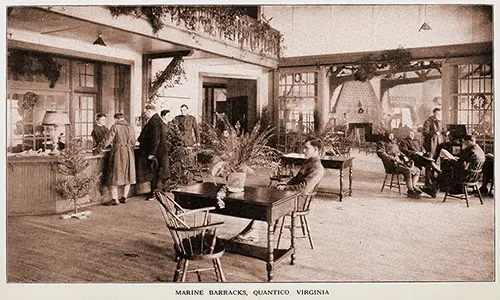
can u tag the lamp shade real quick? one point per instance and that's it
(425, 27)
(55, 118)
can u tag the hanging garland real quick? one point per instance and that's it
(27, 64)
(173, 75)
(395, 60)
(231, 22)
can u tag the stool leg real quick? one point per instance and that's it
(479, 194)
(216, 270)
(302, 225)
(445, 194)
(466, 195)
(392, 179)
(399, 184)
(221, 273)
(177, 268)
(281, 231)
(308, 233)
(184, 270)
(383, 184)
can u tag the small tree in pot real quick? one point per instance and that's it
(77, 183)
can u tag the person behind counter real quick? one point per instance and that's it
(121, 168)
(100, 130)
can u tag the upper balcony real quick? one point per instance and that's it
(146, 31)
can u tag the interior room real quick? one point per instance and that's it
(324, 144)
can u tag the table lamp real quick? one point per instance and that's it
(54, 119)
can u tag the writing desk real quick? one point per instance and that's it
(329, 162)
(258, 203)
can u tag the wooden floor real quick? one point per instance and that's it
(369, 237)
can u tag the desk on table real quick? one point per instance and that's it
(258, 203)
(329, 162)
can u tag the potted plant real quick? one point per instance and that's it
(235, 153)
(77, 182)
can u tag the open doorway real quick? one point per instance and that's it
(234, 98)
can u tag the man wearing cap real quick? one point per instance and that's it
(153, 164)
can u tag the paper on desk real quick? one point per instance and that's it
(446, 154)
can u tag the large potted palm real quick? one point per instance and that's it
(236, 153)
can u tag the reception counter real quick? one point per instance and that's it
(32, 180)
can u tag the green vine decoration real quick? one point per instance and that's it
(28, 64)
(173, 75)
(396, 60)
(230, 22)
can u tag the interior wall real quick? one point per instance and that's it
(190, 92)
(354, 28)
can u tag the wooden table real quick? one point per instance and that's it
(258, 203)
(329, 162)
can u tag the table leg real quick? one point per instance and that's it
(341, 185)
(292, 242)
(270, 250)
(350, 181)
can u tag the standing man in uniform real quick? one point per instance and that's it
(188, 127)
(432, 132)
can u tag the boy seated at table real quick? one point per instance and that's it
(307, 178)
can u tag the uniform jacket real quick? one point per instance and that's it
(431, 128)
(121, 166)
(188, 126)
(98, 134)
(410, 146)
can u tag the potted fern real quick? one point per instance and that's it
(235, 153)
(77, 183)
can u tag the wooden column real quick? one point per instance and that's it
(322, 103)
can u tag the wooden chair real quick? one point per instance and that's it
(194, 237)
(303, 207)
(390, 169)
(471, 180)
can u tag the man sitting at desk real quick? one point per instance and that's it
(454, 172)
(306, 180)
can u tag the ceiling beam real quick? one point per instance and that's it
(168, 54)
(423, 53)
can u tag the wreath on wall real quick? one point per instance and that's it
(22, 63)
(28, 101)
(231, 22)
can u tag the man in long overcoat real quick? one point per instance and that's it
(188, 126)
(121, 167)
(152, 161)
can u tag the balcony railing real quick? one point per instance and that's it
(234, 29)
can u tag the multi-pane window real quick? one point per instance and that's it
(86, 74)
(472, 101)
(297, 97)
(24, 125)
(84, 118)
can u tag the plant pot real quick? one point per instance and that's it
(236, 182)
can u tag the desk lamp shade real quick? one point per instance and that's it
(55, 118)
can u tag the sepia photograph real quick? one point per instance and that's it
(311, 146)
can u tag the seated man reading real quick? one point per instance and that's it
(388, 150)
(307, 178)
(411, 147)
(455, 170)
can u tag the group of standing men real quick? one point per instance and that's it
(153, 164)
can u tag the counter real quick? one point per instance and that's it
(32, 180)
